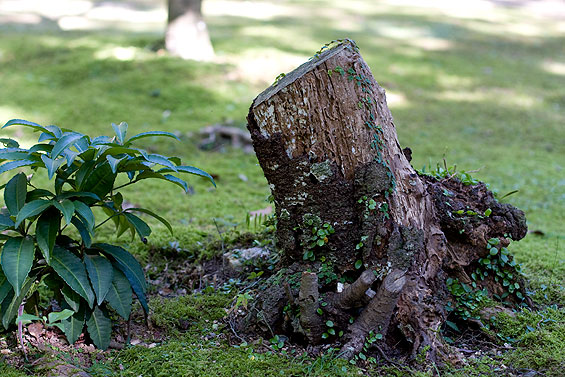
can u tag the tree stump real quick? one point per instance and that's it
(367, 243)
(187, 35)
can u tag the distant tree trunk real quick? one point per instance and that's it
(187, 34)
(350, 208)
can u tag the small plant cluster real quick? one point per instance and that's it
(371, 205)
(468, 298)
(336, 42)
(318, 236)
(442, 172)
(467, 301)
(502, 266)
(87, 279)
(369, 341)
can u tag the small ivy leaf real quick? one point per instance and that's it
(120, 131)
(358, 264)
(453, 326)
(51, 165)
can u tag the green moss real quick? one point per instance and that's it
(538, 338)
(9, 371)
(193, 310)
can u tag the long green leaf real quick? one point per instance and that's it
(130, 267)
(66, 141)
(120, 295)
(5, 286)
(71, 269)
(31, 209)
(15, 193)
(37, 194)
(85, 214)
(114, 162)
(83, 173)
(190, 170)
(17, 259)
(120, 131)
(66, 207)
(141, 227)
(46, 230)
(6, 222)
(101, 273)
(59, 316)
(151, 174)
(161, 160)
(51, 164)
(85, 233)
(151, 134)
(15, 154)
(153, 214)
(72, 326)
(9, 143)
(17, 164)
(99, 328)
(78, 194)
(13, 303)
(55, 130)
(72, 299)
(26, 123)
(100, 181)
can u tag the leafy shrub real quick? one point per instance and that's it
(87, 278)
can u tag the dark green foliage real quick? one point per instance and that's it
(89, 278)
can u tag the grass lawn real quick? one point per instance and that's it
(479, 84)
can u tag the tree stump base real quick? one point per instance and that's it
(368, 245)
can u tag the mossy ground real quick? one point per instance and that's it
(482, 85)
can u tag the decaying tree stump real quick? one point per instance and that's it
(351, 209)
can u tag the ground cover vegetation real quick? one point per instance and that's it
(471, 87)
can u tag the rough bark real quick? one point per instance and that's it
(327, 144)
(187, 35)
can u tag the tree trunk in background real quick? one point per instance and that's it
(351, 209)
(187, 35)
